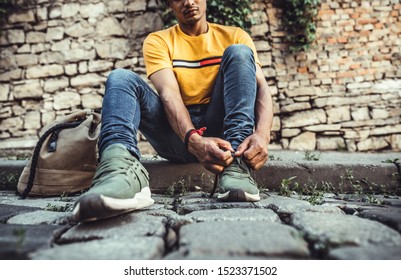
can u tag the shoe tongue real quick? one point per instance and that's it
(114, 150)
(238, 163)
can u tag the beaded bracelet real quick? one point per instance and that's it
(189, 133)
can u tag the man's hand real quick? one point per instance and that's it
(254, 151)
(213, 153)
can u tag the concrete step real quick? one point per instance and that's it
(285, 171)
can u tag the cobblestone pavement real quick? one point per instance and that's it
(194, 226)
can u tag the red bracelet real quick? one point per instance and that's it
(189, 133)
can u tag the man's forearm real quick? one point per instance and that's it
(263, 110)
(177, 114)
(169, 92)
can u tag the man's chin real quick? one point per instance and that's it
(192, 20)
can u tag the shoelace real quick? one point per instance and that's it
(123, 166)
(242, 166)
(246, 172)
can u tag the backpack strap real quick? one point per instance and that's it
(54, 130)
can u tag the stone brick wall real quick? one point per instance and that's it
(345, 93)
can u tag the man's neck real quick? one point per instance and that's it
(196, 29)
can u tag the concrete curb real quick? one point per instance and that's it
(342, 172)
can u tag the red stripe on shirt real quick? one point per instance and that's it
(210, 61)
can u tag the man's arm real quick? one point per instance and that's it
(213, 153)
(254, 148)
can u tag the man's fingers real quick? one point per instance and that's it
(227, 160)
(242, 148)
(214, 168)
(214, 154)
(256, 162)
(252, 152)
(219, 154)
(259, 165)
(225, 145)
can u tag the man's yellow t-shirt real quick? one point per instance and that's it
(195, 61)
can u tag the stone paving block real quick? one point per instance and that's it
(393, 201)
(188, 208)
(128, 225)
(41, 203)
(42, 217)
(241, 239)
(366, 253)
(8, 211)
(16, 241)
(352, 204)
(286, 206)
(135, 248)
(197, 201)
(255, 215)
(174, 222)
(374, 200)
(157, 210)
(163, 199)
(348, 207)
(390, 216)
(326, 230)
(196, 197)
(282, 203)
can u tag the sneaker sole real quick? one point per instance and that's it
(94, 207)
(238, 195)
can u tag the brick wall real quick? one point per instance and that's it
(345, 93)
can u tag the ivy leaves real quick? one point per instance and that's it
(299, 17)
(233, 13)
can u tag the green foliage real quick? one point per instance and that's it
(311, 156)
(20, 235)
(233, 13)
(311, 192)
(285, 186)
(273, 157)
(9, 6)
(178, 188)
(59, 208)
(314, 192)
(5, 5)
(299, 17)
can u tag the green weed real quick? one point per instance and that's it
(285, 186)
(276, 158)
(59, 208)
(177, 189)
(310, 156)
(20, 235)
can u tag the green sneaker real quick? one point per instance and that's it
(236, 183)
(120, 184)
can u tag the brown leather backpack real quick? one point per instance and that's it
(65, 157)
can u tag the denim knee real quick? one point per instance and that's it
(239, 52)
(122, 77)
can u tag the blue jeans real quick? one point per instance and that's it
(130, 104)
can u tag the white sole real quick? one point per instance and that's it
(96, 207)
(139, 201)
(247, 197)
